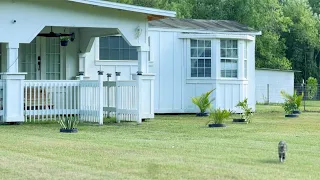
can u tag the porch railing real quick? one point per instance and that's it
(88, 100)
(121, 100)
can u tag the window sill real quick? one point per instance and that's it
(115, 62)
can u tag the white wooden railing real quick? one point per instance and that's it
(121, 100)
(88, 100)
(50, 100)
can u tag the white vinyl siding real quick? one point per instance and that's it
(229, 58)
(200, 58)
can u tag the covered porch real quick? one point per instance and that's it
(41, 79)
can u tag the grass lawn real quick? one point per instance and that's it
(168, 147)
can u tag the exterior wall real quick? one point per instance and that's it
(269, 83)
(174, 89)
(93, 64)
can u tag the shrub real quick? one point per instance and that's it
(203, 101)
(219, 116)
(312, 87)
(246, 111)
(68, 123)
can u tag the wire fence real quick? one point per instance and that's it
(311, 98)
(269, 94)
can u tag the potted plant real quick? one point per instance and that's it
(64, 40)
(289, 104)
(69, 125)
(218, 116)
(203, 102)
(246, 112)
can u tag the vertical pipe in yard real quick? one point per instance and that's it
(100, 90)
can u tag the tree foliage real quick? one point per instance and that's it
(290, 28)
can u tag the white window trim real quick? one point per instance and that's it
(188, 48)
(97, 55)
(238, 61)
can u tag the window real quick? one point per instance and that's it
(246, 59)
(200, 58)
(116, 48)
(229, 58)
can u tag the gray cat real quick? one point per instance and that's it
(282, 148)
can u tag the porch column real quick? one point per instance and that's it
(13, 87)
(12, 57)
(143, 54)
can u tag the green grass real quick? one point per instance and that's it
(168, 147)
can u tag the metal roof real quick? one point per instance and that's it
(156, 13)
(202, 25)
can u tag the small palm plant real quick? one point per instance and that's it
(69, 124)
(203, 102)
(218, 116)
(290, 103)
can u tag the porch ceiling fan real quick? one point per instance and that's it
(53, 34)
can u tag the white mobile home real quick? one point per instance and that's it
(188, 57)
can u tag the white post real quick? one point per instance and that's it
(12, 57)
(139, 95)
(108, 98)
(143, 60)
(81, 74)
(100, 75)
(13, 86)
(82, 62)
(117, 96)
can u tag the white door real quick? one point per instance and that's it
(41, 59)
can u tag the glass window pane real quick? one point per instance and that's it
(223, 53)
(104, 42)
(207, 72)
(223, 73)
(194, 63)
(208, 52)
(208, 63)
(200, 72)
(114, 42)
(103, 54)
(228, 73)
(200, 62)
(114, 54)
(229, 44)
(194, 43)
(133, 54)
(208, 43)
(194, 52)
(229, 53)
(194, 72)
(200, 52)
(223, 44)
(234, 73)
(234, 53)
(200, 43)
(235, 44)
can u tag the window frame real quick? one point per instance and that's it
(98, 47)
(189, 58)
(245, 59)
(228, 58)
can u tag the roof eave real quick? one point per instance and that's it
(253, 33)
(152, 12)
